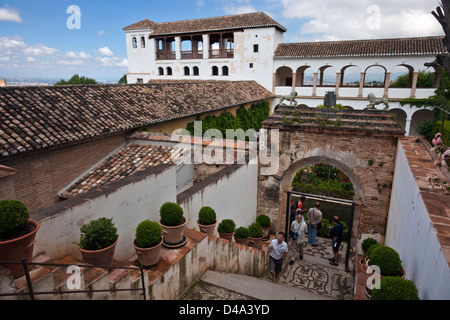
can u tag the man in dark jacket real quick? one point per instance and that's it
(336, 240)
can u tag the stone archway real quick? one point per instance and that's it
(365, 153)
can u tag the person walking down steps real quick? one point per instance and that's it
(275, 255)
(298, 234)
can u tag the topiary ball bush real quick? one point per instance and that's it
(388, 260)
(171, 214)
(226, 226)
(98, 234)
(241, 233)
(371, 248)
(206, 216)
(148, 234)
(367, 243)
(13, 214)
(263, 220)
(255, 230)
(395, 288)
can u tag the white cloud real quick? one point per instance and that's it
(101, 33)
(77, 55)
(105, 51)
(40, 50)
(31, 59)
(123, 63)
(348, 19)
(9, 14)
(240, 9)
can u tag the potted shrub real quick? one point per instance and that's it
(363, 261)
(98, 242)
(226, 229)
(172, 222)
(207, 220)
(265, 223)
(395, 288)
(241, 235)
(255, 235)
(367, 243)
(17, 234)
(148, 243)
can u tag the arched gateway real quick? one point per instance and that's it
(361, 143)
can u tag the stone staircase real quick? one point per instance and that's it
(257, 288)
(53, 281)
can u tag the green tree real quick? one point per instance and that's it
(76, 79)
(123, 80)
(425, 79)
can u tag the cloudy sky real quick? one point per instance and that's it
(52, 40)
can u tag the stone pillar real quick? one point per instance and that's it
(386, 84)
(361, 84)
(314, 93)
(407, 126)
(2, 82)
(294, 80)
(338, 82)
(414, 84)
(274, 81)
(178, 48)
(206, 46)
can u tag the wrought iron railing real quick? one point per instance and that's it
(31, 293)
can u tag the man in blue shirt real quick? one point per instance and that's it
(275, 255)
(336, 240)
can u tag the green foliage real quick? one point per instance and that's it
(123, 80)
(338, 106)
(395, 288)
(323, 180)
(13, 214)
(171, 214)
(325, 231)
(76, 79)
(241, 233)
(206, 216)
(371, 248)
(226, 226)
(255, 230)
(425, 79)
(387, 259)
(98, 234)
(426, 129)
(148, 234)
(367, 243)
(245, 119)
(263, 220)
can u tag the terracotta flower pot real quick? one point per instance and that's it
(227, 236)
(266, 232)
(255, 242)
(18, 249)
(208, 229)
(173, 234)
(367, 267)
(241, 241)
(100, 258)
(148, 257)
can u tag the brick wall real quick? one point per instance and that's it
(41, 175)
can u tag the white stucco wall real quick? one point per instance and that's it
(411, 233)
(234, 196)
(128, 206)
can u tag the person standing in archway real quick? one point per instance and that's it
(336, 240)
(314, 218)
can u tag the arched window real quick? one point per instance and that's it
(142, 42)
(187, 72)
(215, 71)
(195, 71)
(169, 71)
(160, 71)
(225, 71)
(283, 77)
(134, 43)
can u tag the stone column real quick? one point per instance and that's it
(407, 126)
(178, 48)
(338, 82)
(414, 84)
(314, 93)
(386, 84)
(274, 82)
(294, 80)
(206, 46)
(361, 84)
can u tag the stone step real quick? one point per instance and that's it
(257, 288)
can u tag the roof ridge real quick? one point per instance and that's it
(361, 40)
(216, 17)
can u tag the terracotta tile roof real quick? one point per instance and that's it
(377, 47)
(130, 159)
(231, 22)
(34, 118)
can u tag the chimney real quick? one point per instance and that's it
(2, 82)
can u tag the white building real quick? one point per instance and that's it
(250, 47)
